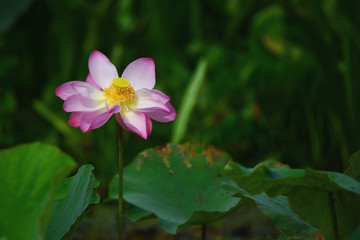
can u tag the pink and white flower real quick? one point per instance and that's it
(131, 97)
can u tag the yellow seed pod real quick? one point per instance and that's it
(121, 82)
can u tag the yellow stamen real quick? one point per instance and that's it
(118, 92)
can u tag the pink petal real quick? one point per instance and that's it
(74, 119)
(161, 96)
(79, 103)
(90, 80)
(140, 73)
(120, 121)
(150, 100)
(136, 122)
(101, 69)
(114, 109)
(162, 116)
(66, 90)
(87, 90)
(95, 119)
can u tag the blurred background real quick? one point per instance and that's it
(281, 78)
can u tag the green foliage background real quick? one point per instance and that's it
(282, 78)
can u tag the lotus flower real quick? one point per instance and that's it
(131, 97)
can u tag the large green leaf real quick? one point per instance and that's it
(355, 235)
(28, 176)
(135, 213)
(278, 210)
(329, 201)
(354, 168)
(68, 210)
(180, 184)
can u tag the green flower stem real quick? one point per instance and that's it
(203, 231)
(121, 167)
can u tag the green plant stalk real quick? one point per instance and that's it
(348, 77)
(188, 102)
(333, 216)
(58, 123)
(121, 167)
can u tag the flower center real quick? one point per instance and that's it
(118, 92)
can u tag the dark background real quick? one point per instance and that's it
(282, 80)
